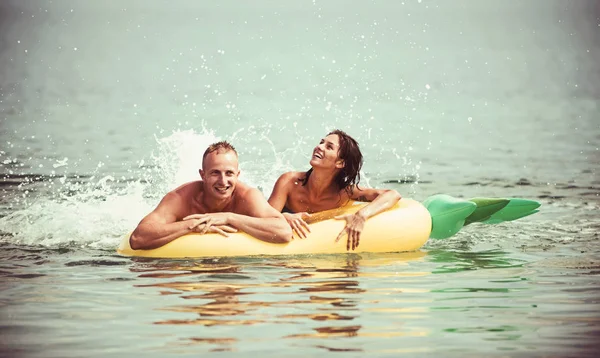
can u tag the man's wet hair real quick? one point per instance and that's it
(222, 146)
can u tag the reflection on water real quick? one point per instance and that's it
(321, 301)
(329, 295)
(345, 331)
(447, 303)
(457, 261)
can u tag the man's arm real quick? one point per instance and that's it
(261, 220)
(160, 226)
(253, 215)
(278, 199)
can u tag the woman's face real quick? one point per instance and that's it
(325, 154)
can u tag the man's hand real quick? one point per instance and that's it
(213, 222)
(354, 227)
(297, 223)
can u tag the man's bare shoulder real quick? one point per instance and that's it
(243, 190)
(247, 194)
(190, 188)
(184, 193)
(252, 202)
(180, 201)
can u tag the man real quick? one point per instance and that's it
(218, 203)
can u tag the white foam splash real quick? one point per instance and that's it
(179, 157)
(91, 215)
(98, 213)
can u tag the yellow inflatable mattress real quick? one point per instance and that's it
(405, 227)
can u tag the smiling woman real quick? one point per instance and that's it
(331, 182)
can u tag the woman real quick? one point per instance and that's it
(330, 183)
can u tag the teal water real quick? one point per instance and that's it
(105, 106)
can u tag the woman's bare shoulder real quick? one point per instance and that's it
(292, 177)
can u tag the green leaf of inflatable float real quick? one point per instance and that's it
(516, 209)
(485, 208)
(448, 214)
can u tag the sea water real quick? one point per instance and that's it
(106, 106)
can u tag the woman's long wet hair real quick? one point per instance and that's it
(350, 153)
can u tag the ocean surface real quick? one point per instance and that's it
(107, 105)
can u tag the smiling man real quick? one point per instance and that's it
(218, 203)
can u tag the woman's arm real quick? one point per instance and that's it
(278, 200)
(380, 200)
(280, 191)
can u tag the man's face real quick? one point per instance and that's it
(220, 174)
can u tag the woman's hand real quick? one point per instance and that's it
(354, 227)
(297, 223)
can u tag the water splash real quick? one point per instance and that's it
(85, 219)
(97, 211)
(178, 158)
